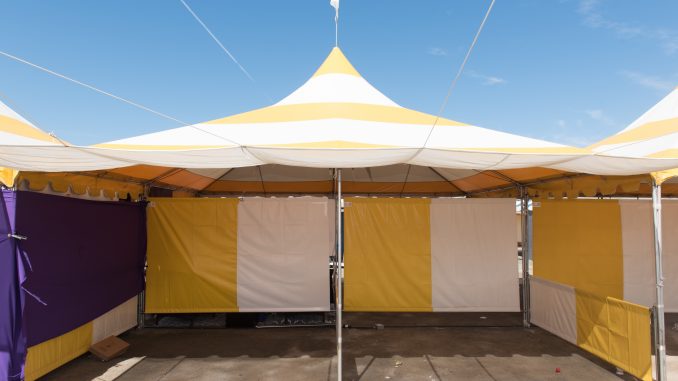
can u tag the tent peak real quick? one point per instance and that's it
(336, 63)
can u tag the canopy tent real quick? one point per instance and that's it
(336, 119)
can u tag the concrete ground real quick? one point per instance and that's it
(672, 346)
(474, 346)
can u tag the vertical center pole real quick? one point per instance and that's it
(525, 237)
(660, 344)
(339, 276)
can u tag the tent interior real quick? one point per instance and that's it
(427, 219)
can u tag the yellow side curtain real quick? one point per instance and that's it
(579, 243)
(51, 354)
(387, 255)
(616, 331)
(192, 255)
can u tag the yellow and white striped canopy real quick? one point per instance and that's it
(336, 120)
(25, 147)
(648, 144)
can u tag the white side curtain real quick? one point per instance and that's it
(553, 308)
(284, 245)
(638, 251)
(474, 262)
(115, 321)
(670, 254)
(638, 248)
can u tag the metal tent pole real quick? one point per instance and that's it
(524, 212)
(660, 344)
(339, 277)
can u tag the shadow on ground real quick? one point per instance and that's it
(490, 348)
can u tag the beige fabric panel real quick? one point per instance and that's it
(638, 243)
(553, 308)
(115, 321)
(474, 255)
(284, 245)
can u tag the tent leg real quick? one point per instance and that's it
(524, 212)
(660, 343)
(339, 277)
(141, 302)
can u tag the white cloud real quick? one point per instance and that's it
(574, 134)
(649, 81)
(599, 116)
(594, 18)
(436, 51)
(487, 80)
(571, 140)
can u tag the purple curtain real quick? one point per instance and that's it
(12, 338)
(86, 257)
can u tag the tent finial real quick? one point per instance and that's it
(335, 4)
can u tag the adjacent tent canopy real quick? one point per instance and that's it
(651, 141)
(25, 147)
(653, 135)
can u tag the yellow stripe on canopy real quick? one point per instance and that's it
(17, 127)
(336, 63)
(665, 154)
(318, 111)
(647, 131)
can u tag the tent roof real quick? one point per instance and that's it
(648, 144)
(24, 146)
(654, 134)
(336, 120)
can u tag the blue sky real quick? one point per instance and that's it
(567, 71)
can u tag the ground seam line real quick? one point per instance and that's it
(485, 369)
(433, 367)
(171, 369)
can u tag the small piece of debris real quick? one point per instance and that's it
(483, 317)
(398, 363)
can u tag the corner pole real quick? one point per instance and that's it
(660, 343)
(339, 277)
(141, 297)
(524, 214)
